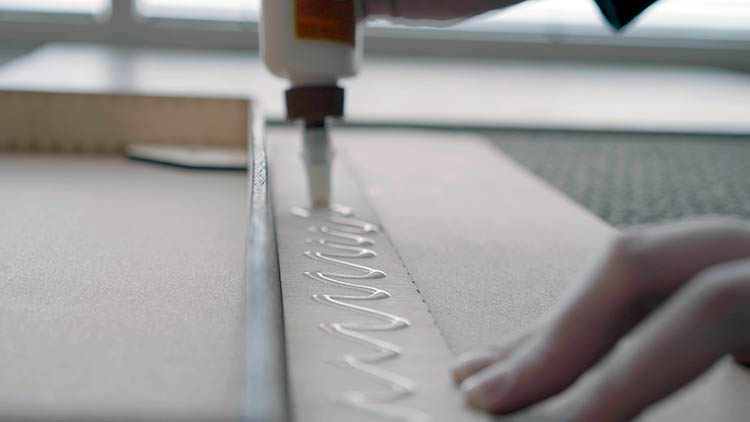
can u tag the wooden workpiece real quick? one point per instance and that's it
(317, 383)
(122, 289)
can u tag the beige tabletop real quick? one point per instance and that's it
(121, 282)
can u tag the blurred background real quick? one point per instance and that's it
(649, 124)
(691, 31)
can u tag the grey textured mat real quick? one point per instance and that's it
(632, 179)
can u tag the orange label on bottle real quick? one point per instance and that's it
(330, 20)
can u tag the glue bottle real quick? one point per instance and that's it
(313, 44)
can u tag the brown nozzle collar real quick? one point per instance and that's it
(315, 103)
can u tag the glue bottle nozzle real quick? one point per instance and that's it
(317, 155)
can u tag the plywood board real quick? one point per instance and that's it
(121, 289)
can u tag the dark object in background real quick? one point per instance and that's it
(619, 13)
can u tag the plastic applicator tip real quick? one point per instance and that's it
(317, 155)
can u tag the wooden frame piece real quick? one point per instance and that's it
(267, 395)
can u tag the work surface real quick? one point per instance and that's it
(121, 288)
(411, 90)
(122, 282)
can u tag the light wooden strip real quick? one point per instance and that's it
(318, 383)
(77, 122)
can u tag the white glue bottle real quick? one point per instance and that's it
(313, 44)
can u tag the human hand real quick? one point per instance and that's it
(676, 297)
(434, 9)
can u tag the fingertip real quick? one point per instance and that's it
(469, 364)
(486, 390)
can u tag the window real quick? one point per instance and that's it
(668, 18)
(690, 28)
(93, 7)
(714, 19)
(222, 10)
